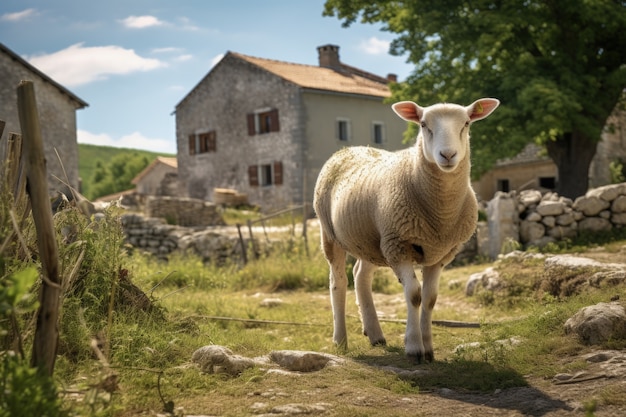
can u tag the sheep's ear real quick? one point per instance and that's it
(408, 111)
(482, 108)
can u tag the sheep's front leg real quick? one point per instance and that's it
(430, 289)
(336, 258)
(363, 275)
(413, 344)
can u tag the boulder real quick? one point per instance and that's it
(608, 192)
(598, 323)
(531, 231)
(619, 204)
(591, 206)
(594, 224)
(551, 208)
(303, 361)
(489, 278)
(528, 197)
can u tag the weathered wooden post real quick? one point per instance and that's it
(46, 332)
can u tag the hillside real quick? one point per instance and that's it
(89, 155)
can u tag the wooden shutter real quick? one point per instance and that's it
(253, 175)
(251, 127)
(274, 125)
(192, 144)
(212, 145)
(278, 173)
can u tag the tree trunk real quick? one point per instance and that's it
(572, 153)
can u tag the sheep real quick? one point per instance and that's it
(395, 209)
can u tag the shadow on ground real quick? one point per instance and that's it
(467, 381)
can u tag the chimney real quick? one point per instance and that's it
(392, 78)
(329, 56)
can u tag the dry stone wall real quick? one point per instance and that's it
(536, 219)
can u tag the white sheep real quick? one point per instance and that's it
(399, 208)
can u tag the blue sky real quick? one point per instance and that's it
(134, 60)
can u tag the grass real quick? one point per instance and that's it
(149, 351)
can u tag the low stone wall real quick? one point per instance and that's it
(155, 236)
(536, 219)
(183, 211)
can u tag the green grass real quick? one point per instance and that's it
(149, 351)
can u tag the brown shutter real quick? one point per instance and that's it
(212, 142)
(278, 173)
(253, 175)
(192, 144)
(274, 126)
(251, 128)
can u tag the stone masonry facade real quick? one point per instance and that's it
(57, 118)
(221, 103)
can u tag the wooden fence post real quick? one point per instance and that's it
(46, 332)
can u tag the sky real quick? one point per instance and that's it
(133, 61)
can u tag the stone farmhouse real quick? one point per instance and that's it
(265, 127)
(56, 106)
(158, 178)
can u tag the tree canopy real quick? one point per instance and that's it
(557, 66)
(117, 174)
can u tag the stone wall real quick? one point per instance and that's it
(155, 236)
(183, 211)
(535, 219)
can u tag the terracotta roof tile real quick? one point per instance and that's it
(348, 80)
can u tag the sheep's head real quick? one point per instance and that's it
(444, 128)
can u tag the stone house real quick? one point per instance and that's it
(56, 106)
(159, 178)
(265, 127)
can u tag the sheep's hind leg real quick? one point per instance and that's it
(430, 278)
(336, 258)
(414, 346)
(363, 275)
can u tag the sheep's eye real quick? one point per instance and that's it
(466, 124)
(423, 124)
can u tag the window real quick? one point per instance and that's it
(343, 130)
(378, 129)
(266, 174)
(547, 182)
(503, 185)
(203, 142)
(263, 121)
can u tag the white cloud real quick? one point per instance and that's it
(134, 140)
(375, 46)
(141, 22)
(17, 16)
(165, 50)
(185, 57)
(187, 25)
(77, 65)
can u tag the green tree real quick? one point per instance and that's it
(116, 176)
(557, 66)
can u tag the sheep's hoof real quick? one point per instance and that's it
(421, 357)
(379, 342)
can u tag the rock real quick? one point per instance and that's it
(219, 359)
(590, 206)
(598, 323)
(533, 217)
(619, 204)
(302, 361)
(551, 208)
(489, 278)
(618, 218)
(594, 224)
(549, 221)
(560, 233)
(271, 302)
(605, 214)
(531, 231)
(565, 219)
(607, 192)
(528, 197)
(503, 221)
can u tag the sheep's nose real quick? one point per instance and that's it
(448, 154)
